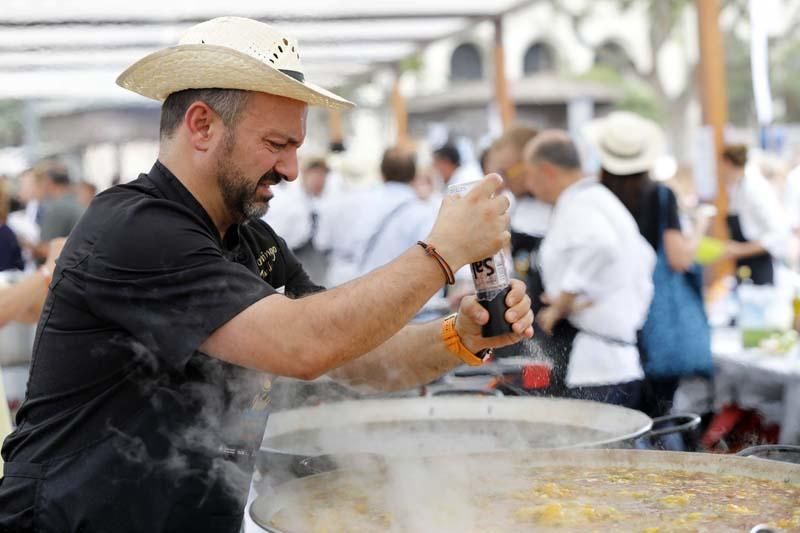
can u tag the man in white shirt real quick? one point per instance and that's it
(447, 163)
(339, 217)
(597, 272)
(393, 217)
(294, 214)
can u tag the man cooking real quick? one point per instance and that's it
(146, 401)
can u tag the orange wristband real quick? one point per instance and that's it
(454, 344)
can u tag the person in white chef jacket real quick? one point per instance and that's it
(597, 273)
(294, 214)
(791, 199)
(757, 224)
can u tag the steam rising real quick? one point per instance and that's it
(213, 447)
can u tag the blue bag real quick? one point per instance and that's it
(676, 337)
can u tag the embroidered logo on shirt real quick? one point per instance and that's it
(266, 260)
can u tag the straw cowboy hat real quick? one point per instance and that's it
(228, 53)
(626, 142)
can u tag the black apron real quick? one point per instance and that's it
(524, 248)
(557, 346)
(761, 269)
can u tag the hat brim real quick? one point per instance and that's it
(202, 66)
(622, 166)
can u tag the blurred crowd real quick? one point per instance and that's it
(601, 252)
(41, 204)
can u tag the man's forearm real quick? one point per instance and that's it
(743, 250)
(311, 336)
(361, 315)
(416, 355)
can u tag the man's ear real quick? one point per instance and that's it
(549, 169)
(203, 124)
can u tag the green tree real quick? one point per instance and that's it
(645, 91)
(784, 60)
(784, 66)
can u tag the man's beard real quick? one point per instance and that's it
(238, 191)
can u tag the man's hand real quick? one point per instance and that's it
(471, 316)
(548, 318)
(558, 309)
(472, 227)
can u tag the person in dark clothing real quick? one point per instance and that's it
(10, 250)
(61, 208)
(150, 383)
(529, 215)
(628, 145)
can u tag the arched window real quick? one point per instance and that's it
(611, 54)
(539, 57)
(465, 63)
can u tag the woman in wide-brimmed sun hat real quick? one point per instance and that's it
(628, 146)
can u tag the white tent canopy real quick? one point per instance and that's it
(76, 48)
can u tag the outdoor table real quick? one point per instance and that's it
(759, 380)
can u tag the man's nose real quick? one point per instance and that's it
(287, 165)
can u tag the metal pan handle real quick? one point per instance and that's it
(775, 452)
(467, 392)
(319, 464)
(309, 466)
(763, 528)
(488, 370)
(673, 424)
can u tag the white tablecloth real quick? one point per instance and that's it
(754, 379)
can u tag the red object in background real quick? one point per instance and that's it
(734, 428)
(536, 376)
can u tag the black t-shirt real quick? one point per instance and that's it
(650, 216)
(126, 425)
(10, 252)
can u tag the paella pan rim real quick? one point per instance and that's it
(620, 423)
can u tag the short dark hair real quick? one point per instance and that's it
(227, 103)
(735, 154)
(58, 174)
(448, 152)
(484, 160)
(555, 147)
(398, 165)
